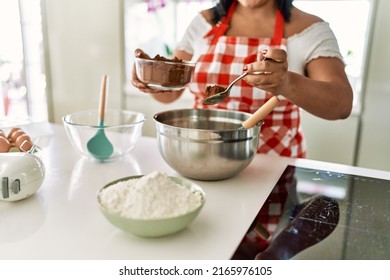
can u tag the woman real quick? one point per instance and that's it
(304, 66)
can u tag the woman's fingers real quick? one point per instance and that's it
(269, 71)
(134, 78)
(277, 55)
(140, 85)
(141, 54)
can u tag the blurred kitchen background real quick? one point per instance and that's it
(53, 54)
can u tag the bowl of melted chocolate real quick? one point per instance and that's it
(163, 73)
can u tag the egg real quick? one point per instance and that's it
(5, 145)
(23, 142)
(12, 131)
(14, 149)
(12, 137)
(2, 133)
(26, 146)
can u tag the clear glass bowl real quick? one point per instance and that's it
(122, 128)
(164, 75)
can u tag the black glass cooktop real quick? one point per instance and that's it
(318, 214)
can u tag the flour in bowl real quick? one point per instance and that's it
(153, 196)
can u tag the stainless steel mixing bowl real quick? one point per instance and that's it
(206, 144)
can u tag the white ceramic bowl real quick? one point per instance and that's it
(122, 128)
(153, 227)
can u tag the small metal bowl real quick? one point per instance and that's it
(206, 144)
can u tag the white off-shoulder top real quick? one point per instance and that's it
(318, 40)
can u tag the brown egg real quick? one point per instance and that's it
(12, 137)
(12, 131)
(2, 133)
(5, 145)
(21, 139)
(26, 146)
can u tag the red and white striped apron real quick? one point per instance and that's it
(226, 56)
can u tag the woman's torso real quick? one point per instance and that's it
(226, 54)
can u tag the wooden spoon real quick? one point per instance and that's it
(261, 113)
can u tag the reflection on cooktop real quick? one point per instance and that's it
(318, 214)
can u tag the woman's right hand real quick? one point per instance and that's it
(168, 96)
(134, 78)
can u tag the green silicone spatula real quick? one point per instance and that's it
(99, 146)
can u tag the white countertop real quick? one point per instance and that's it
(62, 220)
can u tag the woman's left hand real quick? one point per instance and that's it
(269, 72)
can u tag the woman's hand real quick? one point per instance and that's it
(269, 72)
(164, 96)
(134, 78)
(323, 91)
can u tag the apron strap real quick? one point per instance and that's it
(279, 29)
(276, 40)
(222, 26)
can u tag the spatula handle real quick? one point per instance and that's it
(261, 113)
(103, 91)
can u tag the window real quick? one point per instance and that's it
(22, 77)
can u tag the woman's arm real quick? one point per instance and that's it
(324, 91)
